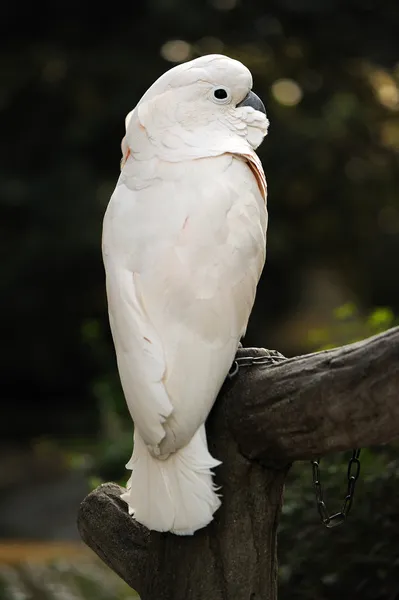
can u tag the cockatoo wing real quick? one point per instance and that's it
(139, 352)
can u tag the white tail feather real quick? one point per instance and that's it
(176, 494)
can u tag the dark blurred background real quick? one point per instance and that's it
(328, 72)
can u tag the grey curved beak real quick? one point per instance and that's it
(251, 99)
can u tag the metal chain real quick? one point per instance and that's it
(273, 357)
(353, 473)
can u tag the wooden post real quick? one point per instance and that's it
(263, 420)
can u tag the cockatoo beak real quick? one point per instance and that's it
(125, 152)
(251, 99)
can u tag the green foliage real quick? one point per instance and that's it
(381, 319)
(349, 325)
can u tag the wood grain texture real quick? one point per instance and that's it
(320, 403)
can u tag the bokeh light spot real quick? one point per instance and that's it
(388, 95)
(287, 92)
(176, 51)
(384, 86)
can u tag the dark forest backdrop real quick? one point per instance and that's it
(328, 72)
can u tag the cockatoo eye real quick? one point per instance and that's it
(221, 95)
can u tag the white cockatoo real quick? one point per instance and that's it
(184, 242)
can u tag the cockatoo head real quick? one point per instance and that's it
(203, 107)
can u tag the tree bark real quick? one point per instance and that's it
(320, 403)
(233, 558)
(265, 418)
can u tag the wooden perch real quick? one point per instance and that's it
(325, 402)
(265, 418)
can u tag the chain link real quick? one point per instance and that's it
(273, 357)
(353, 473)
